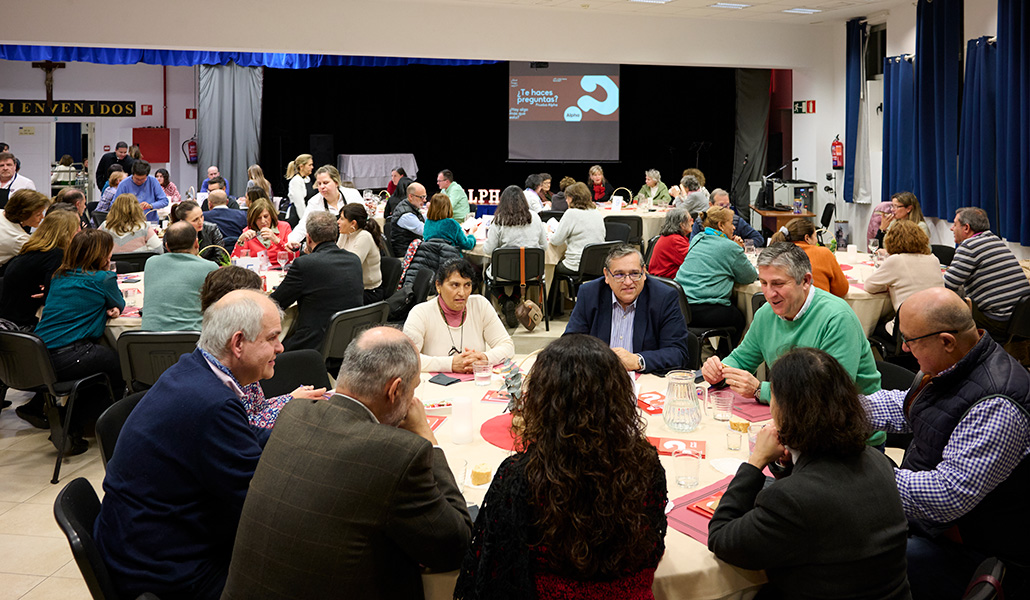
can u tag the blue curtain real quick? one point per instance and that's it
(856, 33)
(976, 151)
(1014, 120)
(938, 76)
(180, 58)
(899, 127)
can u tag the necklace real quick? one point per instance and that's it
(454, 349)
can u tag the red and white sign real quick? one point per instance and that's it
(651, 402)
(667, 446)
(107, 148)
(146, 109)
(191, 113)
(810, 107)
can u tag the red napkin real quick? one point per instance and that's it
(131, 311)
(689, 522)
(750, 409)
(846, 267)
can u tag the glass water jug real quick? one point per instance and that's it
(684, 402)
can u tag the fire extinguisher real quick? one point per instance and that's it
(189, 150)
(837, 153)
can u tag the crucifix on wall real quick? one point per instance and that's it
(49, 67)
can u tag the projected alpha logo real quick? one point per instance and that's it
(590, 83)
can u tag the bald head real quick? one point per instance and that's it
(380, 367)
(217, 198)
(181, 237)
(416, 193)
(939, 307)
(938, 328)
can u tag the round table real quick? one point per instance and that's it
(687, 570)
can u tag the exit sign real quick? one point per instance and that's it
(803, 107)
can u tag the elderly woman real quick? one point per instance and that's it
(691, 197)
(537, 187)
(593, 532)
(599, 188)
(264, 232)
(670, 249)
(165, 179)
(715, 262)
(25, 208)
(362, 237)
(653, 190)
(833, 528)
(328, 199)
(300, 186)
(208, 233)
(440, 224)
(129, 227)
(904, 207)
(826, 272)
(909, 266)
(457, 328)
(582, 224)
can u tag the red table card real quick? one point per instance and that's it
(707, 505)
(651, 402)
(500, 396)
(435, 421)
(667, 446)
(689, 522)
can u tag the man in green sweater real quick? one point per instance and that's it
(796, 314)
(171, 296)
(459, 199)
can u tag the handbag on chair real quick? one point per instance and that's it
(527, 312)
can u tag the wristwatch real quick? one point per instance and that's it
(640, 361)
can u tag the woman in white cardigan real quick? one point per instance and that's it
(361, 236)
(909, 266)
(457, 328)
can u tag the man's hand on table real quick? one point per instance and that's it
(308, 392)
(629, 360)
(415, 421)
(739, 380)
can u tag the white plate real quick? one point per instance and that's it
(468, 482)
(727, 466)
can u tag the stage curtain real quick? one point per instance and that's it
(977, 140)
(751, 139)
(229, 121)
(857, 176)
(938, 77)
(899, 127)
(1014, 121)
(180, 58)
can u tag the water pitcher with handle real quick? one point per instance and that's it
(684, 402)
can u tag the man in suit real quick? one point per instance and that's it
(373, 500)
(230, 221)
(322, 283)
(640, 319)
(175, 486)
(119, 157)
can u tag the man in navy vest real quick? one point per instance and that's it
(965, 478)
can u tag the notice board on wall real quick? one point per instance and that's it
(152, 142)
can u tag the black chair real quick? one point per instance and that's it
(547, 215)
(616, 232)
(894, 377)
(387, 231)
(944, 254)
(25, 365)
(986, 580)
(422, 285)
(650, 249)
(131, 262)
(693, 352)
(99, 217)
(591, 266)
(110, 422)
(756, 302)
(825, 222)
(505, 270)
(702, 333)
(294, 369)
(345, 325)
(635, 224)
(144, 355)
(1019, 322)
(390, 268)
(76, 509)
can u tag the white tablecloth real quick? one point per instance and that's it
(373, 170)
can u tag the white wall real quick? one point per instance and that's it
(84, 81)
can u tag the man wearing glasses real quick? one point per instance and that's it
(406, 221)
(965, 476)
(639, 319)
(459, 199)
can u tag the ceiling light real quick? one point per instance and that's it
(802, 11)
(728, 5)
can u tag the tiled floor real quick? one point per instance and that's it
(35, 559)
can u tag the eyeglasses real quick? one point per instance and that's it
(423, 196)
(633, 276)
(906, 340)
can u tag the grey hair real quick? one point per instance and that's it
(674, 219)
(623, 250)
(322, 227)
(369, 367)
(224, 318)
(975, 217)
(788, 257)
(653, 174)
(690, 183)
(716, 192)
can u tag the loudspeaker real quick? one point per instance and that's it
(321, 149)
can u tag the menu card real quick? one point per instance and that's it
(435, 421)
(690, 522)
(651, 402)
(500, 396)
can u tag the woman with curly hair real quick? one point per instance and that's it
(579, 511)
(909, 266)
(832, 525)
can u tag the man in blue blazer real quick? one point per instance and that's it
(231, 221)
(639, 319)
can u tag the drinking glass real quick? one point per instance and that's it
(282, 258)
(733, 440)
(749, 248)
(483, 372)
(874, 245)
(459, 468)
(687, 466)
(722, 403)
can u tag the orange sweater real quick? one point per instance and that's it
(826, 272)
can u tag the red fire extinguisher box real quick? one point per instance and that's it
(152, 142)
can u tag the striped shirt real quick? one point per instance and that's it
(984, 448)
(990, 273)
(622, 325)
